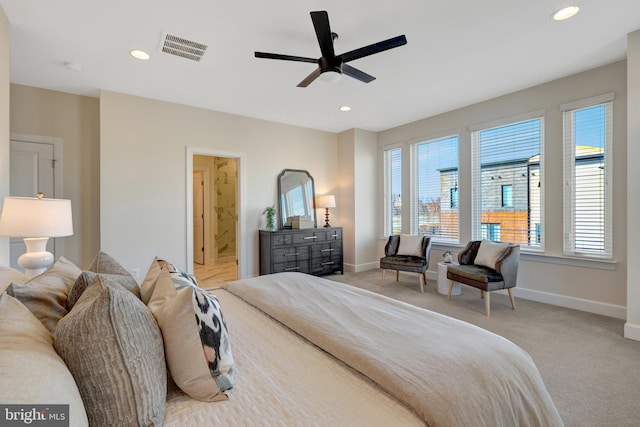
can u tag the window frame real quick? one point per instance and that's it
(388, 228)
(476, 176)
(569, 166)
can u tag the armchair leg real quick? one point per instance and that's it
(397, 275)
(422, 279)
(383, 271)
(513, 301)
(487, 302)
(450, 289)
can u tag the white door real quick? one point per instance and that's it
(198, 217)
(31, 171)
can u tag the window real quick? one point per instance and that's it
(587, 173)
(454, 197)
(506, 171)
(434, 189)
(490, 231)
(392, 191)
(507, 195)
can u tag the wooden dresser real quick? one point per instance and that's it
(316, 251)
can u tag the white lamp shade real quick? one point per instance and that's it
(327, 201)
(33, 217)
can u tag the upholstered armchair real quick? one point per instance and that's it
(409, 253)
(487, 266)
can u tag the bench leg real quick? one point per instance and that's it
(487, 302)
(513, 301)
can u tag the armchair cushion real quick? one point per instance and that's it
(489, 252)
(410, 245)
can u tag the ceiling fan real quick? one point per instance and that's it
(330, 63)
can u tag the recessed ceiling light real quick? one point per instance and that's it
(565, 13)
(140, 54)
(345, 108)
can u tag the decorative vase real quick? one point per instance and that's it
(448, 257)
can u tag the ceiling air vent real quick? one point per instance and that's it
(183, 48)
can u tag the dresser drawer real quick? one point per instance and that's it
(306, 237)
(291, 253)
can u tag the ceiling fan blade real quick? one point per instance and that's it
(373, 48)
(357, 74)
(285, 57)
(323, 32)
(311, 77)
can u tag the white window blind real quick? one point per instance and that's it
(434, 189)
(507, 192)
(587, 174)
(392, 191)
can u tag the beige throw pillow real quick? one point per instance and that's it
(46, 294)
(410, 245)
(9, 275)
(489, 252)
(113, 347)
(30, 370)
(195, 337)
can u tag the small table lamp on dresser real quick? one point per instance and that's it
(326, 202)
(35, 220)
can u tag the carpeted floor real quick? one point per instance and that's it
(591, 371)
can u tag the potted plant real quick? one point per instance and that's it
(447, 256)
(270, 212)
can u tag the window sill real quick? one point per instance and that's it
(599, 264)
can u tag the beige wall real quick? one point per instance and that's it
(357, 198)
(76, 120)
(143, 173)
(632, 328)
(4, 125)
(593, 289)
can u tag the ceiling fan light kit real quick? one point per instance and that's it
(332, 66)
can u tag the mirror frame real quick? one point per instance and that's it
(282, 221)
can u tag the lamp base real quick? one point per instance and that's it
(36, 260)
(326, 218)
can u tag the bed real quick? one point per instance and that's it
(307, 351)
(359, 358)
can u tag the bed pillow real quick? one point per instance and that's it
(113, 347)
(180, 279)
(46, 294)
(489, 252)
(30, 369)
(9, 275)
(410, 245)
(197, 350)
(103, 264)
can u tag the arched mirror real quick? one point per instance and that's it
(296, 197)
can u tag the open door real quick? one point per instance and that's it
(198, 218)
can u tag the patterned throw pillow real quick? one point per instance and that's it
(198, 352)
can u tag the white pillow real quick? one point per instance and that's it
(489, 252)
(31, 371)
(410, 245)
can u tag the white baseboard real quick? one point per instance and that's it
(632, 331)
(351, 268)
(590, 306)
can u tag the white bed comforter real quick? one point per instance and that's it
(450, 372)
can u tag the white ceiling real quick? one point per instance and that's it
(459, 52)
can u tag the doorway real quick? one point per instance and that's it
(35, 165)
(215, 219)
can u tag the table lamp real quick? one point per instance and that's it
(35, 220)
(326, 201)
